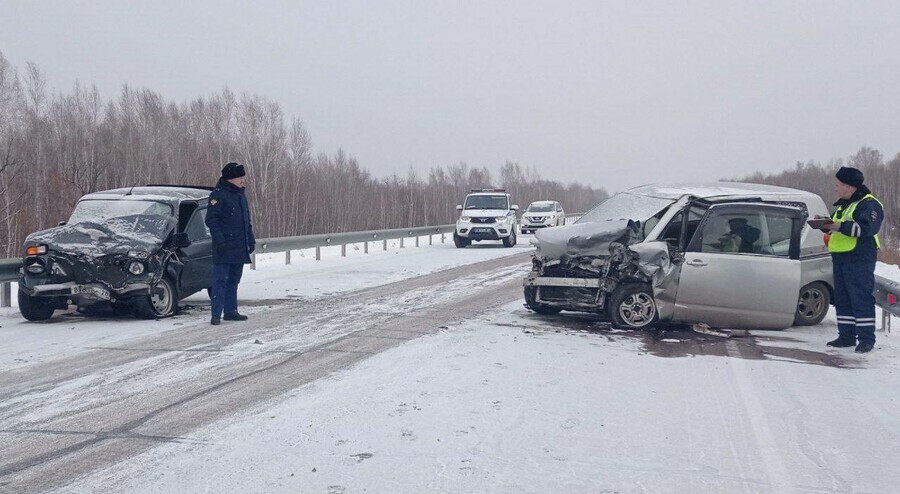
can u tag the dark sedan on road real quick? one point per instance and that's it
(132, 250)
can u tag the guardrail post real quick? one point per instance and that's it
(417, 240)
(318, 253)
(343, 250)
(5, 294)
(385, 244)
(401, 242)
(252, 261)
(442, 238)
(287, 256)
(885, 321)
(366, 247)
(430, 239)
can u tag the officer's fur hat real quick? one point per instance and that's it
(233, 170)
(850, 176)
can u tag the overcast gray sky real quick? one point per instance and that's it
(614, 94)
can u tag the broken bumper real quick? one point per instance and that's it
(93, 291)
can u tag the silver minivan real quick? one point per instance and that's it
(726, 255)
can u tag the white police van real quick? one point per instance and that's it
(487, 214)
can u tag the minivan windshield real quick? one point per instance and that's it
(541, 208)
(483, 201)
(626, 206)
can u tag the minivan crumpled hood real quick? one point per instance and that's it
(96, 240)
(583, 239)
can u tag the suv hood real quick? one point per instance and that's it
(484, 212)
(111, 237)
(583, 239)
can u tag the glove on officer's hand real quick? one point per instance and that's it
(252, 248)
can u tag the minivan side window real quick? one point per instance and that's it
(746, 232)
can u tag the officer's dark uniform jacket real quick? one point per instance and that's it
(228, 219)
(854, 251)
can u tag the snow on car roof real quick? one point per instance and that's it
(543, 202)
(154, 193)
(714, 189)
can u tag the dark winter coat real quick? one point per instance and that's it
(228, 219)
(865, 224)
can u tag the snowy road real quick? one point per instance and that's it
(69, 416)
(438, 380)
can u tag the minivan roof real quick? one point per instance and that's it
(711, 190)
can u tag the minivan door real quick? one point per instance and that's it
(742, 268)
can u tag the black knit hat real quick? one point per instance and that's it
(233, 170)
(850, 176)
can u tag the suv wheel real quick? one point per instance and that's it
(460, 242)
(632, 306)
(35, 308)
(812, 305)
(162, 303)
(511, 239)
(543, 309)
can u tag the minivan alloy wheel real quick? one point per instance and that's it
(637, 309)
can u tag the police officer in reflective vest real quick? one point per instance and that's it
(853, 242)
(228, 219)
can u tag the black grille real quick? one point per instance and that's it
(558, 271)
(483, 220)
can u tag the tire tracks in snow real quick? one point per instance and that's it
(69, 417)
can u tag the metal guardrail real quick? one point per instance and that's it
(886, 294)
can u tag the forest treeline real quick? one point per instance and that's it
(882, 176)
(56, 147)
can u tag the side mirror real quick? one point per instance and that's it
(181, 240)
(459, 207)
(61, 223)
(515, 207)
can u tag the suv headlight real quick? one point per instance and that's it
(463, 218)
(36, 250)
(135, 267)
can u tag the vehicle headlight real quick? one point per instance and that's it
(135, 267)
(35, 268)
(463, 218)
(36, 250)
(138, 254)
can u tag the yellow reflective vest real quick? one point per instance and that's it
(846, 243)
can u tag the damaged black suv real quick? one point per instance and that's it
(132, 250)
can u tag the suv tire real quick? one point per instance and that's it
(543, 309)
(460, 242)
(35, 308)
(632, 306)
(511, 239)
(155, 306)
(812, 304)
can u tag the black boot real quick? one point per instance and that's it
(842, 342)
(864, 347)
(215, 321)
(235, 317)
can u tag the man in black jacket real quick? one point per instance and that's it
(228, 219)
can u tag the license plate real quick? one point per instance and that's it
(482, 230)
(100, 293)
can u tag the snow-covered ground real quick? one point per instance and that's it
(515, 402)
(560, 404)
(271, 283)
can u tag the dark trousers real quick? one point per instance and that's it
(224, 290)
(854, 284)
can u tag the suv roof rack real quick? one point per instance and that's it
(488, 190)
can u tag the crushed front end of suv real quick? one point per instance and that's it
(127, 250)
(487, 214)
(721, 255)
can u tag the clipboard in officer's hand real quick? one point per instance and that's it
(819, 223)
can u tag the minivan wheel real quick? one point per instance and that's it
(163, 302)
(632, 306)
(543, 309)
(812, 305)
(35, 308)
